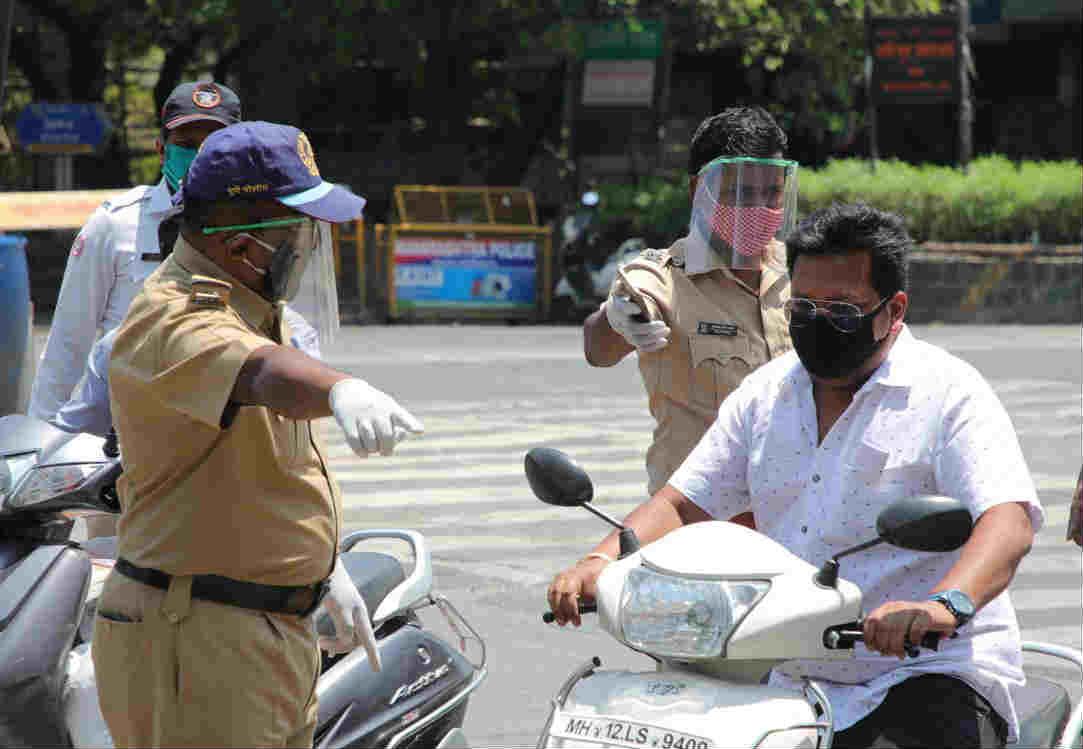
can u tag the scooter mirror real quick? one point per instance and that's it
(590, 199)
(555, 479)
(926, 522)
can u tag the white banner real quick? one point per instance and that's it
(618, 83)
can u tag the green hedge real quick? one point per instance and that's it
(998, 201)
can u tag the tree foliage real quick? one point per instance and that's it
(457, 63)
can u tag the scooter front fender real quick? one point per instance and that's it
(680, 710)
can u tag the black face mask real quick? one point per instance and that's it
(828, 352)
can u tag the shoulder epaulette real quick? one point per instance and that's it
(210, 292)
(131, 197)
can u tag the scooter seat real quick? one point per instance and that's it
(374, 574)
(1043, 707)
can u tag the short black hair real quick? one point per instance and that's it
(736, 131)
(844, 228)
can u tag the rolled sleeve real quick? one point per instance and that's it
(979, 460)
(715, 473)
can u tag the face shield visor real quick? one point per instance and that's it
(742, 210)
(302, 268)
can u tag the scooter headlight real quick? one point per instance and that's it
(679, 617)
(42, 484)
(12, 469)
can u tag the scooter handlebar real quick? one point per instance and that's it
(843, 637)
(585, 607)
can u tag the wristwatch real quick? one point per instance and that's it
(957, 602)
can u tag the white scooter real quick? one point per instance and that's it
(716, 624)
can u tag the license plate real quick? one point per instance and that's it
(596, 729)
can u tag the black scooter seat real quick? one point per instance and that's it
(1043, 707)
(374, 574)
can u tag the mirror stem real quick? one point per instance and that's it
(602, 515)
(828, 575)
(629, 542)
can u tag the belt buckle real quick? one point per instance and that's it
(321, 590)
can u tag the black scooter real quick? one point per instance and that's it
(50, 575)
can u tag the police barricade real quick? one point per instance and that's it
(466, 253)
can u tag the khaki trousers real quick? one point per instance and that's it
(177, 671)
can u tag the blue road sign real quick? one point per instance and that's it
(61, 127)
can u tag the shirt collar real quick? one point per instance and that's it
(768, 275)
(254, 309)
(895, 371)
(161, 202)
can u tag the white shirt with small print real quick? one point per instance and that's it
(925, 423)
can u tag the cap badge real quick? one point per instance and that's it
(308, 158)
(206, 96)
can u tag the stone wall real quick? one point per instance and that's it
(957, 287)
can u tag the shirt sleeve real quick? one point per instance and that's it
(715, 473)
(84, 291)
(978, 458)
(88, 409)
(201, 354)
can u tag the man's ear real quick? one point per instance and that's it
(898, 306)
(160, 148)
(692, 181)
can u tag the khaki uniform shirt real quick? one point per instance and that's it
(721, 331)
(210, 487)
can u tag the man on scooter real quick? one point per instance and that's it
(817, 442)
(230, 521)
(707, 311)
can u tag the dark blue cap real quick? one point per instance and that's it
(265, 160)
(192, 102)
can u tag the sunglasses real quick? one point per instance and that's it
(843, 316)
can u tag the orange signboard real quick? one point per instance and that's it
(50, 209)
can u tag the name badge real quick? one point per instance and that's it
(152, 257)
(717, 328)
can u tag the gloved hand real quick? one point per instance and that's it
(370, 418)
(348, 611)
(645, 336)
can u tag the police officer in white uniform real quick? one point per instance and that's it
(120, 246)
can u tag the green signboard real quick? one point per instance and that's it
(624, 39)
(1037, 10)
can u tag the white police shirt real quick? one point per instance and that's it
(109, 260)
(925, 422)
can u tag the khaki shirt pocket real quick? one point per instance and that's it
(719, 363)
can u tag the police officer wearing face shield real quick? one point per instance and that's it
(707, 311)
(230, 521)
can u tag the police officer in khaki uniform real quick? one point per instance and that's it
(705, 312)
(230, 521)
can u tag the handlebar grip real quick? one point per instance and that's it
(585, 607)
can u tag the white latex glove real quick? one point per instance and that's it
(370, 418)
(645, 336)
(348, 611)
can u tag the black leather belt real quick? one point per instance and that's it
(300, 600)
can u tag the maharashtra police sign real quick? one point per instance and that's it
(61, 128)
(465, 272)
(913, 58)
